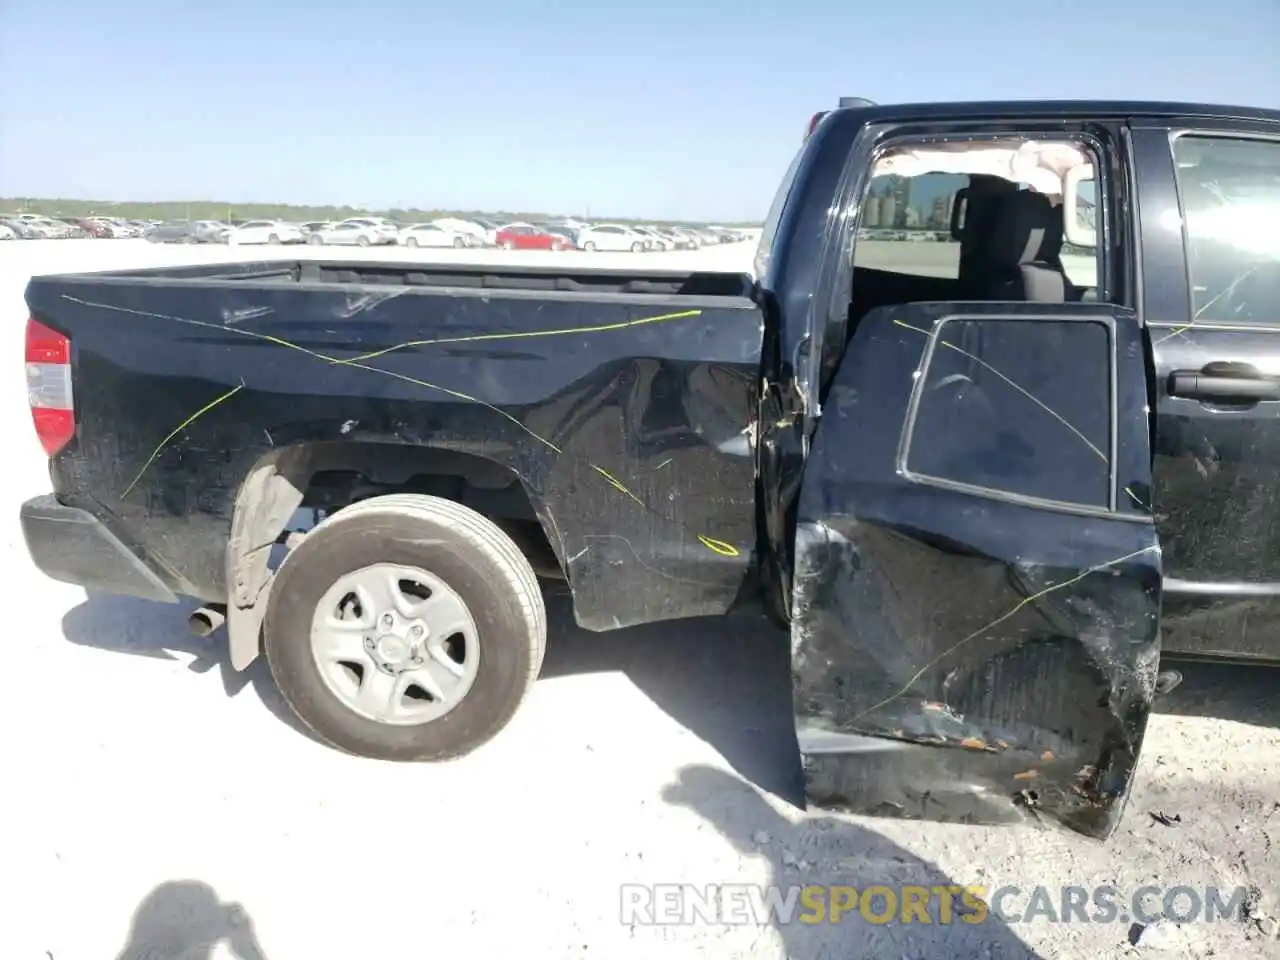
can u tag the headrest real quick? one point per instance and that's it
(1025, 228)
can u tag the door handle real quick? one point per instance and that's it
(1197, 385)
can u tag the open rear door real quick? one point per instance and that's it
(975, 620)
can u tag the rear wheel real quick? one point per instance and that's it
(459, 242)
(405, 628)
(273, 239)
(363, 241)
(589, 246)
(508, 245)
(637, 247)
(411, 242)
(315, 239)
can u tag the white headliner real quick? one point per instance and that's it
(1040, 164)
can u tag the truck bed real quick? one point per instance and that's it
(615, 406)
(453, 277)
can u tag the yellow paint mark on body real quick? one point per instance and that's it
(1025, 601)
(716, 546)
(177, 430)
(526, 334)
(719, 546)
(617, 484)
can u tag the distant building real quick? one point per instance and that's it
(900, 193)
(888, 211)
(871, 211)
(940, 215)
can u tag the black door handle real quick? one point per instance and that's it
(1196, 385)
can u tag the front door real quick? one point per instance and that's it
(976, 608)
(1212, 302)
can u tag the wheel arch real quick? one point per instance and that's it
(279, 482)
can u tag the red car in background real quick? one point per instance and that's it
(525, 236)
(96, 228)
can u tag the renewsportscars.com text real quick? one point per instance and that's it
(730, 904)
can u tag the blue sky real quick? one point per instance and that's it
(663, 109)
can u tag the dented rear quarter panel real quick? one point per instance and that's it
(625, 416)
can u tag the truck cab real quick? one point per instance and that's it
(1009, 466)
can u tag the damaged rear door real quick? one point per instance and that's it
(975, 619)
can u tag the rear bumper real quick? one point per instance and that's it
(74, 546)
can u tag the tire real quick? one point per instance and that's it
(315, 240)
(508, 245)
(362, 241)
(637, 247)
(273, 239)
(411, 242)
(471, 556)
(459, 243)
(589, 246)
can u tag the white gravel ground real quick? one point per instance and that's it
(151, 790)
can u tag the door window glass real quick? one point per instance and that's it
(1230, 195)
(1020, 407)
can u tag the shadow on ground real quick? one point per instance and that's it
(159, 631)
(850, 856)
(726, 679)
(187, 919)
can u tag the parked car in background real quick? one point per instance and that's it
(22, 229)
(564, 230)
(70, 227)
(266, 231)
(491, 228)
(348, 233)
(680, 239)
(47, 228)
(434, 235)
(470, 228)
(613, 236)
(381, 229)
(525, 236)
(188, 231)
(96, 228)
(657, 241)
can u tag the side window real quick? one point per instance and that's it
(1230, 195)
(917, 211)
(1021, 407)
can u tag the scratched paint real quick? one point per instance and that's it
(714, 545)
(1012, 383)
(1036, 648)
(218, 401)
(528, 334)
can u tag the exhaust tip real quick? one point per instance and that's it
(207, 619)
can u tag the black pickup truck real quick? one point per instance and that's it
(994, 425)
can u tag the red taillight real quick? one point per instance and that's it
(814, 121)
(48, 358)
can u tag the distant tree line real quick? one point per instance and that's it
(219, 210)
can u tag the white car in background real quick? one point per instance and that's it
(434, 235)
(613, 237)
(265, 231)
(468, 228)
(348, 233)
(382, 229)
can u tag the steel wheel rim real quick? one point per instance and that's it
(404, 653)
